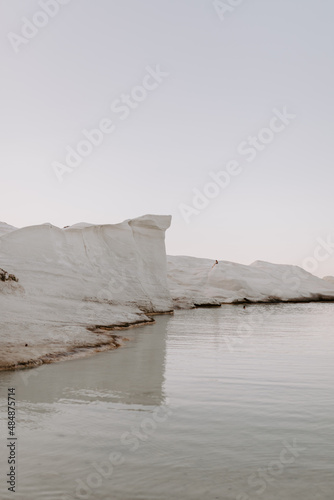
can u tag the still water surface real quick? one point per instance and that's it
(226, 403)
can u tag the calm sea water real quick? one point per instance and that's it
(226, 403)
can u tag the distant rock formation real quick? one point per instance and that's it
(194, 282)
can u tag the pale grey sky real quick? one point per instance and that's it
(225, 77)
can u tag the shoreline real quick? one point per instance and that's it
(116, 341)
(84, 350)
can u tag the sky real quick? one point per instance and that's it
(218, 113)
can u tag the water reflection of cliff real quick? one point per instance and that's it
(133, 374)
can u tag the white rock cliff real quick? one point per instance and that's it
(82, 276)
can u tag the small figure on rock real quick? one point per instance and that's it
(214, 264)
